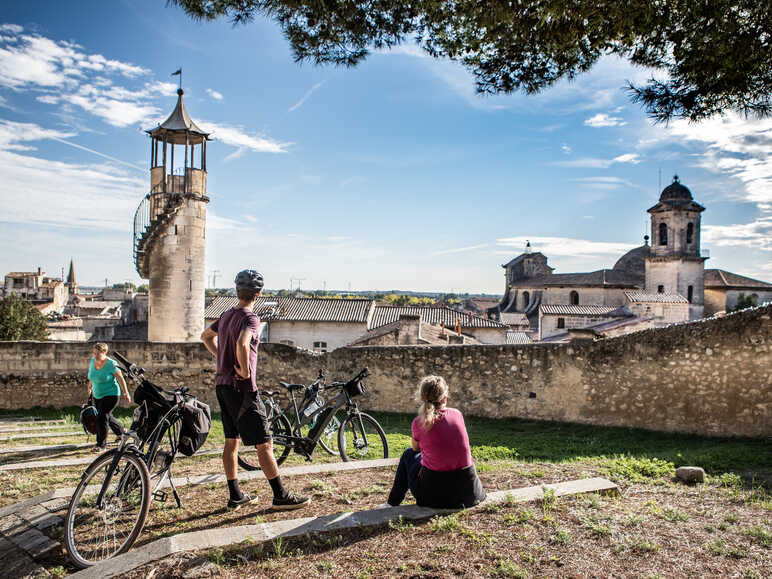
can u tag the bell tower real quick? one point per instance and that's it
(675, 264)
(170, 229)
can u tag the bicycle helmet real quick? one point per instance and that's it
(249, 280)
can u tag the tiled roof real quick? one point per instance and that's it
(518, 338)
(726, 279)
(98, 305)
(385, 314)
(515, 319)
(298, 309)
(579, 310)
(431, 334)
(600, 278)
(658, 298)
(24, 273)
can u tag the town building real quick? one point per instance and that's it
(649, 286)
(321, 325)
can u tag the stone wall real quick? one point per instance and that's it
(711, 377)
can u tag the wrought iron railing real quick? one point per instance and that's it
(141, 225)
(154, 211)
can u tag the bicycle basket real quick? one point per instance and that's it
(354, 388)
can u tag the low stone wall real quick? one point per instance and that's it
(711, 377)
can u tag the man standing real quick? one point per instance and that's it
(233, 340)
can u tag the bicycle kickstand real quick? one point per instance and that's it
(174, 489)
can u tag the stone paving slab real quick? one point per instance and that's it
(40, 435)
(23, 465)
(34, 543)
(32, 429)
(20, 449)
(200, 540)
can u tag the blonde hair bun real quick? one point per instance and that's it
(431, 393)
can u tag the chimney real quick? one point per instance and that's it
(409, 329)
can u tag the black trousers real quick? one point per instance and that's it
(105, 407)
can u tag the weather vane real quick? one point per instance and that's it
(178, 72)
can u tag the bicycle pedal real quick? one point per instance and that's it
(160, 496)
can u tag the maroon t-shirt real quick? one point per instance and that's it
(228, 329)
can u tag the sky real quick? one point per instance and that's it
(390, 175)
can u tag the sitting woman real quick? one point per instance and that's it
(438, 469)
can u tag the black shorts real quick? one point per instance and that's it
(243, 415)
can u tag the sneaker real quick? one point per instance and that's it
(98, 448)
(290, 502)
(384, 506)
(245, 500)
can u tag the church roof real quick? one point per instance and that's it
(678, 196)
(658, 298)
(634, 261)
(600, 278)
(721, 279)
(71, 274)
(178, 125)
(587, 310)
(522, 256)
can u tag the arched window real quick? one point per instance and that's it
(526, 299)
(690, 233)
(690, 291)
(574, 298)
(663, 234)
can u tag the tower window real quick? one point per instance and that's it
(561, 323)
(574, 298)
(175, 230)
(690, 291)
(526, 299)
(660, 289)
(690, 233)
(663, 234)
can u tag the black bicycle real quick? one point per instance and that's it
(336, 424)
(108, 509)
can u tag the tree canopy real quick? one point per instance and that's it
(20, 320)
(710, 56)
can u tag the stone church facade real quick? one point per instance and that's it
(649, 286)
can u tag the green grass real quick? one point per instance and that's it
(628, 453)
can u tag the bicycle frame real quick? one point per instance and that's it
(125, 446)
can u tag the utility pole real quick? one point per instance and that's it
(214, 275)
(324, 286)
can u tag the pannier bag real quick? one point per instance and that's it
(88, 416)
(196, 423)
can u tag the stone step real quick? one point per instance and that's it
(324, 525)
(36, 428)
(20, 449)
(40, 435)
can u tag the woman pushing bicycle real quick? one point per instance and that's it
(233, 340)
(438, 469)
(104, 379)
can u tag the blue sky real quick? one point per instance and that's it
(394, 174)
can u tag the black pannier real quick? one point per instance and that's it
(154, 404)
(354, 387)
(196, 423)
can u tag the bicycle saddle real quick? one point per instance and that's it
(270, 393)
(292, 387)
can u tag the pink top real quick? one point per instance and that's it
(445, 446)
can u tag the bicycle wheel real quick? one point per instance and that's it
(280, 426)
(362, 441)
(329, 438)
(94, 533)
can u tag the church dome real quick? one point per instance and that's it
(675, 192)
(634, 261)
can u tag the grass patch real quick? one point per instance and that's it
(639, 469)
(446, 524)
(521, 517)
(506, 568)
(759, 533)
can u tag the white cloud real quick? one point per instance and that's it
(305, 97)
(459, 249)
(604, 120)
(754, 235)
(596, 163)
(238, 137)
(566, 149)
(214, 94)
(68, 195)
(564, 246)
(602, 183)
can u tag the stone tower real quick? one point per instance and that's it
(675, 264)
(170, 229)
